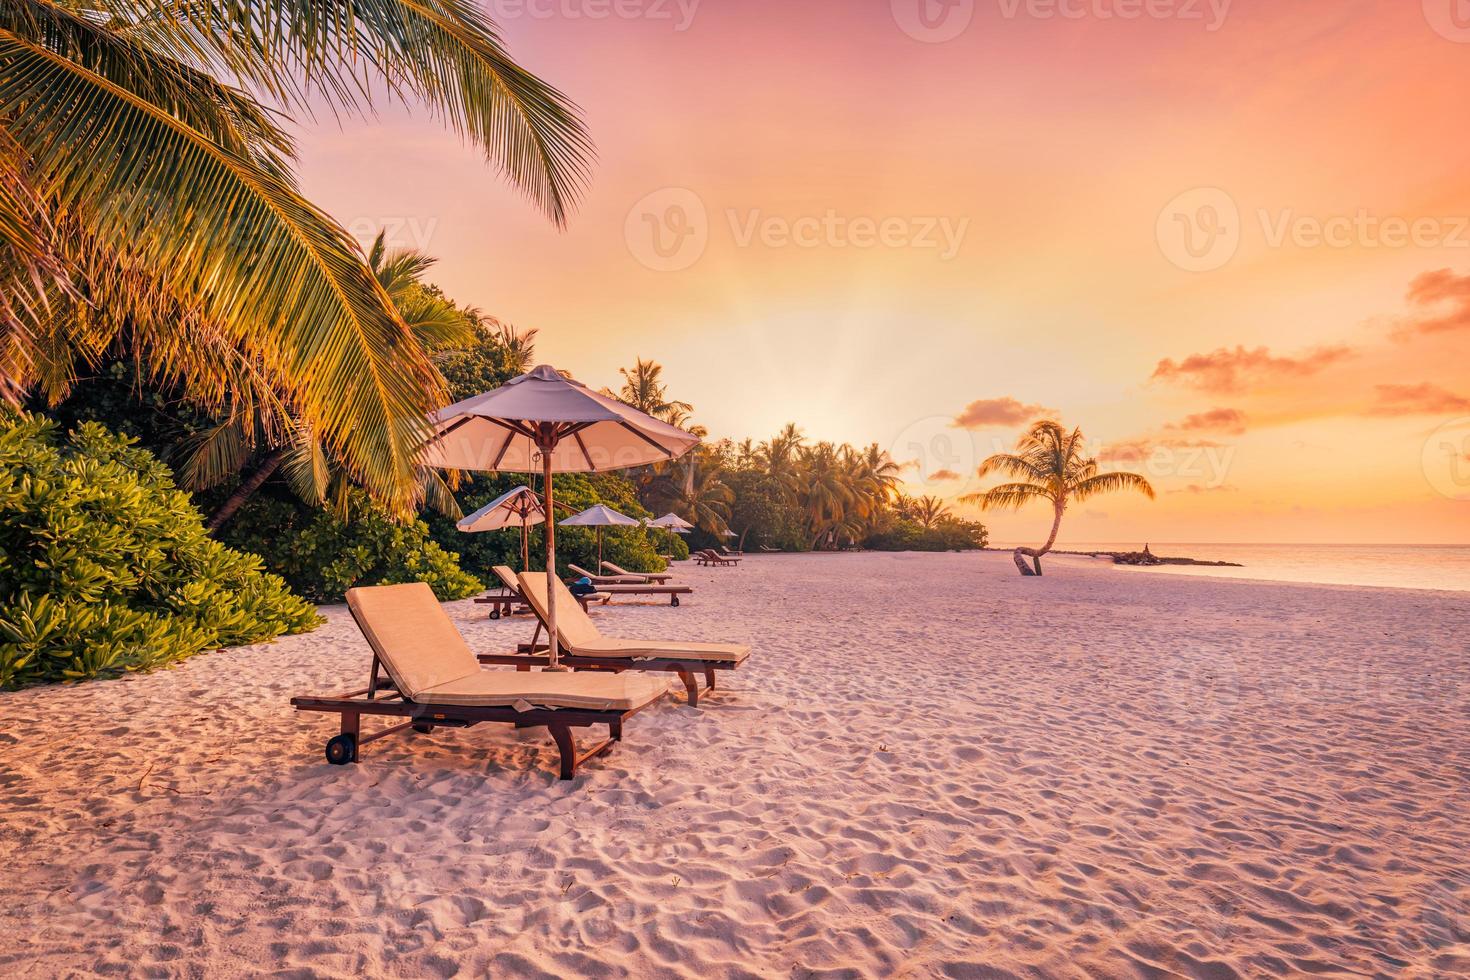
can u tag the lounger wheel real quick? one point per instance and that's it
(342, 749)
(673, 600)
(495, 612)
(423, 728)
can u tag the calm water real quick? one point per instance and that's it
(1400, 566)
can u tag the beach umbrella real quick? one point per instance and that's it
(547, 423)
(520, 508)
(599, 516)
(673, 523)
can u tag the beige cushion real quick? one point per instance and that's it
(536, 689)
(731, 653)
(507, 577)
(580, 635)
(412, 636)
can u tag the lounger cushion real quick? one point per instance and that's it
(412, 636)
(507, 577)
(605, 579)
(731, 653)
(580, 635)
(537, 689)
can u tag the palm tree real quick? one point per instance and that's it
(930, 512)
(693, 487)
(1049, 465)
(644, 389)
(148, 204)
(218, 453)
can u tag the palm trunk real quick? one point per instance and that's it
(245, 490)
(1035, 553)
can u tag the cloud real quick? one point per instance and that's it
(1420, 399)
(1137, 450)
(1228, 420)
(938, 475)
(1196, 488)
(1439, 290)
(999, 411)
(1225, 370)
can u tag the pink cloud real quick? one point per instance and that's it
(1227, 420)
(999, 411)
(1225, 370)
(944, 475)
(1442, 290)
(1420, 399)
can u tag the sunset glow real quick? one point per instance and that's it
(1227, 239)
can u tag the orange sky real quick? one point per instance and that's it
(867, 231)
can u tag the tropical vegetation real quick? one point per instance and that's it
(149, 208)
(1050, 465)
(106, 567)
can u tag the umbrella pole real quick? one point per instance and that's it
(551, 589)
(599, 550)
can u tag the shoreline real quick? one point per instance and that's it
(1145, 558)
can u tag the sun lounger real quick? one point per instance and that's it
(605, 579)
(708, 557)
(434, 681)
(508, 600)
(656, 577)
(583, 645)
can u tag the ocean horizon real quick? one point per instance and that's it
(1404, 566)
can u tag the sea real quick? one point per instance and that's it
(1402, 566)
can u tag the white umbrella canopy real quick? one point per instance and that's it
(673, 522)
(511, 427)
(543, 421)
(600, 516)
(520, 508)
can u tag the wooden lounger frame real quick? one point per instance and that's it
(381, 697)
(706, 556)
(672, 591)
(506, 602)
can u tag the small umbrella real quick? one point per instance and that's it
(542, 421)
(520, 508)
(674, 523)
(599, 516)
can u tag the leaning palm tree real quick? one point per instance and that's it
(143, 155)
(694, 488)
(1049, 465)
(930, 512)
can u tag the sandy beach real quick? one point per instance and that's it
(930, 767)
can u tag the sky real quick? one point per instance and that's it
(1229, 240)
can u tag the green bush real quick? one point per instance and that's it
(951, 534)
(322, 555)
(106, 567)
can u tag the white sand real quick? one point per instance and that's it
(930, 767)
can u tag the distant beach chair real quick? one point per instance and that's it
(707, 556)
(434, 681)
(509, 601)
(583, 645)
(617, 570)
(769, 550)
(615, 585)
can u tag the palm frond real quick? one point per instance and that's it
(282, 278)
(443, 54)
(1111, 482)
(1007, 496)
(1012, 465)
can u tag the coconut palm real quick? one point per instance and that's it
(216, 454)
(643, 388)
(148, 203)
(693, 487)
(1049, 465)
(930, 512)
